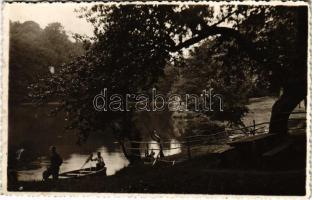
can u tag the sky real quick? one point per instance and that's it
(44, 13)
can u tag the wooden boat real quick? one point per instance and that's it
(85, 172)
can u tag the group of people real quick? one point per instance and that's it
(56, 161)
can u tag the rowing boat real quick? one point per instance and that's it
(85, 172)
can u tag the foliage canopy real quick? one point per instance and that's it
(134, 43)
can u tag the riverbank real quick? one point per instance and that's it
(198, 176)
(280, 174)
(33, 131)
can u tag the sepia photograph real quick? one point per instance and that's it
(157, 98)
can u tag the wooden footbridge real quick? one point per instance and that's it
(251, 144)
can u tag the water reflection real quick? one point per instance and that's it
(32, 131)
(114, 162)
(173, 148)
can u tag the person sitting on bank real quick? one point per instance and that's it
(55, 163)
(100, 161)
(151, 156)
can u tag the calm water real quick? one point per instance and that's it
(34, 131)
(114, 162)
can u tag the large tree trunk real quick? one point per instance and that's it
(134, 136)
(135, 153)
(282, 108)
(125, 130)
(295, 87)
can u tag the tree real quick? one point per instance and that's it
(32, 51)
(134, 43)
(260, 33)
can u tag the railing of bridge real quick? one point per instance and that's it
(187, 143)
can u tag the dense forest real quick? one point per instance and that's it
(34, 51)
